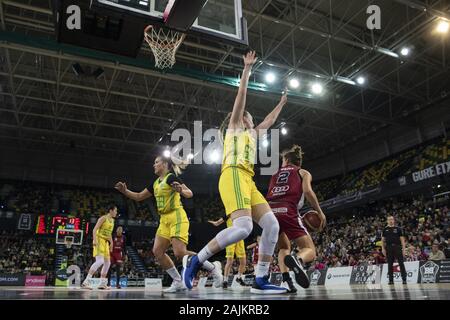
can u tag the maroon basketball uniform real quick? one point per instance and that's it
(117, 252)
(285, 197)
(255, 256)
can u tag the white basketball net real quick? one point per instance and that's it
(164, 45)
(68, 241)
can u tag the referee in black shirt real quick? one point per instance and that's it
(393, 248)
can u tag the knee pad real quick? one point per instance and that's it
(245, 224)
(106, 265)
(241, 229)
(99, 261)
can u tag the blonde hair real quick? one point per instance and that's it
(177, 168)
(294, 155)
(225, 123)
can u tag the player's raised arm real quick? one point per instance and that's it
(136, 196)
(272, 117)
(239, 103)
(310, 195)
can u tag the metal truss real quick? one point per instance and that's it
(130, 111)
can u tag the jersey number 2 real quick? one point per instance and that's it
(283, 177)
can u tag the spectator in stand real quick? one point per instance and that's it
(412, 254)
(436, 254)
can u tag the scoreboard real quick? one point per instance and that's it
(47, 225)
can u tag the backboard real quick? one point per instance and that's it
(69, 237)
(221, 20)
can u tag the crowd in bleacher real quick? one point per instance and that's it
(348, 240)
(357, 239)
(370, 176)
(22, 252)
(32, 197)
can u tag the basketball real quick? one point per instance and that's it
(312, 220)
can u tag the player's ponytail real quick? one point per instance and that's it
(177, 166)
(294, 155)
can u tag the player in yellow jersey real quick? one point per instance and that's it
(102, 247)
(242, 200)
(236, 249)
(174, 224)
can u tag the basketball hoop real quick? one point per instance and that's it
(164, 45)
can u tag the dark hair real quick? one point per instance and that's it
(294, 155)
(110, 207)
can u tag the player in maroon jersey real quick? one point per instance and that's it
(117, 255)
(289, 187)
(255, 250)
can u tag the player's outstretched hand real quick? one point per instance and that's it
(121, 187)
(284, 98)
(250, 58)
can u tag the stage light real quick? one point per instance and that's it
(166, 153)
(294, 83)
(317, 88)
(265, 143)
(270, 77)
(405, 51)
(442, 26)
(190, 156)
(361, 80)
(284, 131)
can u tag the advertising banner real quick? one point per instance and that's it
(35, 281)
(123, 282)
(366, 274)
(153, 284)
(431, 172)
(136, 282)
(412, 272)
(12, 280)
(338, 276)
(61, 279)
(317, 277)
(434, 271)
(444, 271)
(428, 271)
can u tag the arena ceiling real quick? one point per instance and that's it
(129, 111)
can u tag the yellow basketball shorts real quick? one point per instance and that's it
(238, 190)
(174, 224)
(102, 248)
(237, 249)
